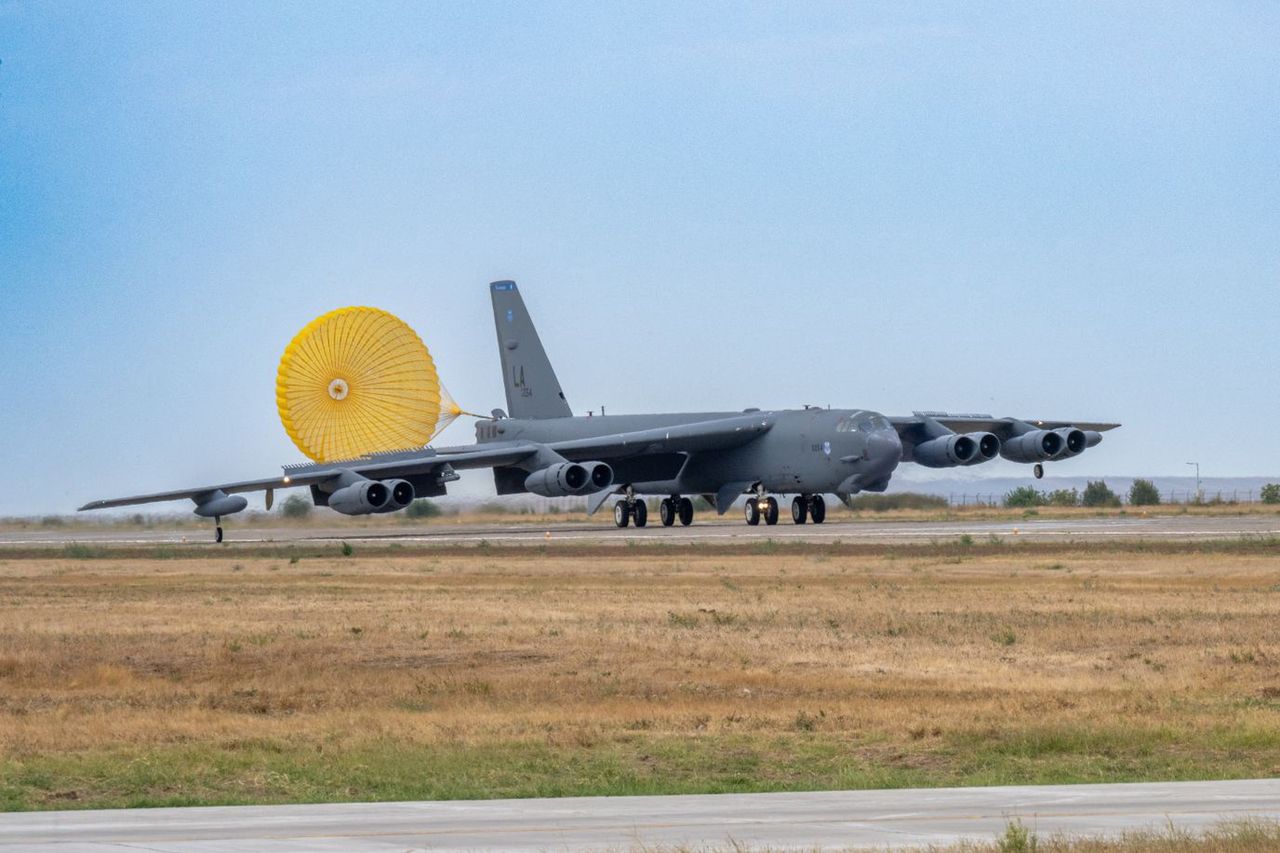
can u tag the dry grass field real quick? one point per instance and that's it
(490, 672)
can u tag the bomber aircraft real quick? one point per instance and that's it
(538, 445)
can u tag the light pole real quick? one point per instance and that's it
(1199, 496)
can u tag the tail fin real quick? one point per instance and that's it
(532, 388)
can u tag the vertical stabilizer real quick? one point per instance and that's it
(532, 388)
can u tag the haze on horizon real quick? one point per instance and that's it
(1064, 212)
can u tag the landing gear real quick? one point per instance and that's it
(761, 507)
(808, 508)
(1038, 471)
(799, 510)
(217, 529)
(686, 512)
(818, 509)
(629, 509)
(676, 508)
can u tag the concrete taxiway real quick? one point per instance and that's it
(827, 820)
(728, 530)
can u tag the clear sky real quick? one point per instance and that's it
(1044, 211)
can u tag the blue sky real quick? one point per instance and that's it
(1058, 211)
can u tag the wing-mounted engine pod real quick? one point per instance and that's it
(400, 494)
(600, 475)
(946, 451)
(1038, 445)
(559, 480)
(361, 498)
(1074, 441)
(988, 447)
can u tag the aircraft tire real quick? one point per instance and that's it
(771, 512)
(752, 512)
(799, 510)
(1038, 471)
(667, 512)
(818, 509)
(686, 512)
(640, 513)
(217, 536)
(620, 515)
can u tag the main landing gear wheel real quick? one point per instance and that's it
(686, 512)
(818, 509)
(752, 511)
(667, 512)
(1038, 471)
(640, 514)
(621, 516)
(771, 511)
(799, 510)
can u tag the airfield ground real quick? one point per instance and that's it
(174, 676)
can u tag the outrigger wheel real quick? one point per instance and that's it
(357, 381)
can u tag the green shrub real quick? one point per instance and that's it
(1063, 497)
(1271, 493)
(295, 506)
(1099, 494)
(1024, 496)
(422, 508)
(1143, 493)
(902, 500)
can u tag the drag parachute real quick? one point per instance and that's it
(357, 381)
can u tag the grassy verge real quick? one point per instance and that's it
(243, 679)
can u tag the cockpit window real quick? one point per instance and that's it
(862, 422)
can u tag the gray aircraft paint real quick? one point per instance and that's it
(804, 452)
(531, 385)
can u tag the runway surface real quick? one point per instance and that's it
(828, 820)
(728, 530)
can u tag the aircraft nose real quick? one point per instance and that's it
(884, 450)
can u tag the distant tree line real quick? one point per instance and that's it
(1096, 494)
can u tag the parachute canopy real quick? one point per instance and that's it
(357, 381)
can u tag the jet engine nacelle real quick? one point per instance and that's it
(559, 480)
(360, 498)
(1038, 445)
(569, 478)
(599, 475)
(1074, 441)
(946, 451)
(400, 494)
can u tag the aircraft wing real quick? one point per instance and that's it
(401, 464)
(1002, 427)
(719, 434)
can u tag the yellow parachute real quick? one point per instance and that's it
(357, 381)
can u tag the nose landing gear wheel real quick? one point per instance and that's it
(818, 509)
(771, 511)
(799, 510)
(752, 512)
(620, 515)
(1038, 471)
(667, 512)
(640, 514)
(686, 512)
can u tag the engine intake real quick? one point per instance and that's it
(1074, 442)
(560, 480)
(946, 451)
(400, 495)
(600, 475)
(362, 498)
(1038, 445)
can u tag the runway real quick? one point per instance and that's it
(728, 530)
(827, 820)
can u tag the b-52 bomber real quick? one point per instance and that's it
(539, 446)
